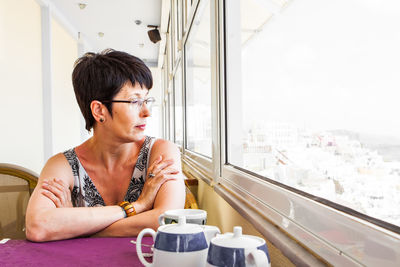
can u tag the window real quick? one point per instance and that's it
(291, 98)
(177, 15)
(171, 111)
(318, 106)
(170, 49)
(165, 106)
(178, 106)
(175, 30)
(187, 9)
(198, 82)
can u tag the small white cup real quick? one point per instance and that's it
(194, 216)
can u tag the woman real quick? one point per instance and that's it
(80, 192)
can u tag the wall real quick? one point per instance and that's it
(66, 113)
(221, 214)
(21, 108)
(21, 140)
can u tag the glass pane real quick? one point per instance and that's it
(170, 49)
(177, 21)
(175, 33)
(198, 83)
(313, 90)
(164, 103)
(186, 7)
(171, 112)
(178, 106)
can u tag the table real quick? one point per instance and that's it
(73, 252)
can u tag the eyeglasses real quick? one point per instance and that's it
(137, 102)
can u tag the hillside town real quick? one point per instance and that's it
(329, 164)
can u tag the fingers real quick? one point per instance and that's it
(61, 182)
(53, 198)
(160, 179)
(168, 178)
(170, 171)
(152, 185)
(55, 188)
(158, 160)
(160, 166)
(159, 175)
(57, 191)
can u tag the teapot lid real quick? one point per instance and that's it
(237, 240)
(181, 227)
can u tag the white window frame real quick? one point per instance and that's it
(203, 164)
(179, 65)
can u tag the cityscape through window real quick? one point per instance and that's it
(319, 103)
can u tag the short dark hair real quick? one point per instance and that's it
(100, 76)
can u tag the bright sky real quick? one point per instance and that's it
(327, 64)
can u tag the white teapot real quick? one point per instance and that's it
(181, 244)
(235, 249)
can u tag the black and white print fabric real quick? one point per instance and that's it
(85, 194)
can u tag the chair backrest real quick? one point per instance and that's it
(190, 201)
(16, 186)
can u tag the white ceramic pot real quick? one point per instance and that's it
(195, 216)
(181, 244)
(235, 249)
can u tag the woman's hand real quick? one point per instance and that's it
(158, 173)
(58, 192)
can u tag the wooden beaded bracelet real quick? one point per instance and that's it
(128, 208)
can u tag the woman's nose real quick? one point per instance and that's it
(145, 111)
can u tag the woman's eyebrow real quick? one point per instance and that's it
(135, 95)
(138, 95)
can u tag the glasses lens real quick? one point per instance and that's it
(150, 102)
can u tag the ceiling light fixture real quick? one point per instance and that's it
(154, 34)
(138, 22)
(82, 5)
(100, 34)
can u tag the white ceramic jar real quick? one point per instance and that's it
(235, 249)
(181, 244)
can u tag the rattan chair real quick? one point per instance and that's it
(16, 186)
(190, 200)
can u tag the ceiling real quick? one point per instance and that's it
(116, 19)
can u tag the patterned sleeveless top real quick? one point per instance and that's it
(85, 194)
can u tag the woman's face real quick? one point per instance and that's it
(128, 120)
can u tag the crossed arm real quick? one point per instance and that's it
(51, 217)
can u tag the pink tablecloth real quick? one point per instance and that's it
(73, 252)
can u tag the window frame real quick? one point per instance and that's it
(164, 74)
(179, 68)
(201, 166)
(171, 109)
(204, 162)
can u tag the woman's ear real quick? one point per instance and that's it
(99, 111)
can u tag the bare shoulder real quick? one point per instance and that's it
(167, 150)
(165, 146)
(57, 167)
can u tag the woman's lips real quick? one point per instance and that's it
(142, 126)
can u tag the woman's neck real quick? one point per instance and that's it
(109, 154)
